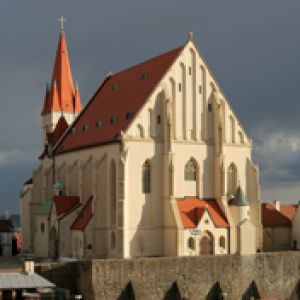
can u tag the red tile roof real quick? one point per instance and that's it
(65, 205)
(192, 209)
(273, 217)
(84, 217)
(120, 94)
(60, 128)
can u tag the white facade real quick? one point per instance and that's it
(186, 118)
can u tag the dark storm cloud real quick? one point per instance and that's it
(252, 48)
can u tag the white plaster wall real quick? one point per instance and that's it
(41, 239)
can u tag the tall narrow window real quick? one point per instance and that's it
(190, 171)
(113, 194)
(191, 243)
(146, 177)
(231, 180)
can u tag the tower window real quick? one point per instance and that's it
(209, 107)
(85, 127)
(114, 87)
(113, 120)
(179, 87)
(42, 227)
(73, 130)
(200, 89)
(190, 70)
(98, 124)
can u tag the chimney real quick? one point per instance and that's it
(28, 267)
(276, 204)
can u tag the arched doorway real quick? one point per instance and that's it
(206, 244)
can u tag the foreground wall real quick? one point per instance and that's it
(263, 275)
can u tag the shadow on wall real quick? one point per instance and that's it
(173, 293)
(251, 292)
(127, 293)
(296, 292)
(215, 293)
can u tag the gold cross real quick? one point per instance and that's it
(62, 20)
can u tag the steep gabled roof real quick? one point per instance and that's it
(65, 205)
(278, 218)
(191, 210)
(113, 107)
(84, 216)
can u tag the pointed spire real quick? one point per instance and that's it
(77, 100)
(54, 100)
(62, 74)
(240, 199)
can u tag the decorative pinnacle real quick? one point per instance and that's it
(62, 20)
(190, 36)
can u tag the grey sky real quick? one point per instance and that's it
(252, 47)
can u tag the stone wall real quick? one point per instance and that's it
(265, 275)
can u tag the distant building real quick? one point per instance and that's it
(156, 164)
(281, 226)
(6, 237)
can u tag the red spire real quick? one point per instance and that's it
(54, 100)
(62, 76)
(77, 101)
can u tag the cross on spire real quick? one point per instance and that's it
(62, 20)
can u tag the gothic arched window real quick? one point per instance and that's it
(146, 178)
(113, 240)
(190, 171)
(222, 242)
(231, 180)
(191, 243)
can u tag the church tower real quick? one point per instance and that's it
(62, 101)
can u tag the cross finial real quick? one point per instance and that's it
(62, 20)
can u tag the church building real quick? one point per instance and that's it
(155, 164)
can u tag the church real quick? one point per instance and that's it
(156, 163)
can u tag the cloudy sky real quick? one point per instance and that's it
(252, 47)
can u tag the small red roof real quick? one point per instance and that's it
(114, 105)
(65, 205)
(84, 217)
(192, 209)
(282, 217)
(60, 128)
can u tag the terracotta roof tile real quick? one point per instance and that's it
(192, 209)
(84, 217)
(273, 217)
(120, 94)
(65, 205)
